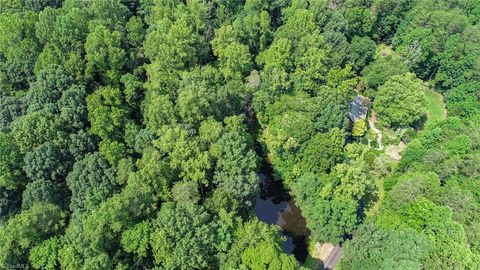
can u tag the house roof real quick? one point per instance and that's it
(358, 108)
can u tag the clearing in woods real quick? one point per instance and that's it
(435, 107)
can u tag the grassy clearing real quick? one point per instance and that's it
(435, 107)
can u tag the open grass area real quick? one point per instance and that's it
(435, 107)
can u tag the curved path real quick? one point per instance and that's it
(371, 123)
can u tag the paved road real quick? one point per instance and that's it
(333, 258)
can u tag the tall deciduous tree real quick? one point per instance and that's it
(401, 101)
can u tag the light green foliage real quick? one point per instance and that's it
(258, 246)
(267, 256)
(159, 111)
(185, 193)
(450, 246)
(107, 112)
(33, 129)
(435, 107)
(104, 54)
(185, 155)
(112, 151)
(28, 229)
(45, 25)
(413, 186)
(235, 60)
(136, 239)
(193, 104)
(401, 101)
(183, 238)
(460, 144)
(359, 128)
(44, 256)
(109, 13)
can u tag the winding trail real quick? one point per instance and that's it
(371, 123)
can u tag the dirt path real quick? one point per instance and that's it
(371, 123)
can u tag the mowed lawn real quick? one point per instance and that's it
(435, 107)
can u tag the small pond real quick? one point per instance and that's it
(274, 205)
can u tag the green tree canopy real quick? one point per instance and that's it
(401, 101)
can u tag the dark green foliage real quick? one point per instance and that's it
(376, 248)
(9, 203)
(381, 70)
(80, 144)
(91, 181)
(47, 162)
(40, 191)
(47, 88)
(332, 220)
(11, 107)
(464, 100)
(361, 52)
(72, 107)
(313, 159)
(388, 14)
(39, 5)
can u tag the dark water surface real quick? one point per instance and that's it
(274, 205)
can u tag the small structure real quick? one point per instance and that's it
(358, 108)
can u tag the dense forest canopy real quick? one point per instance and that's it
(132, 131)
